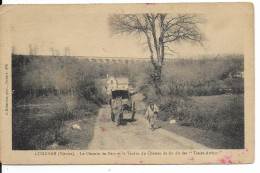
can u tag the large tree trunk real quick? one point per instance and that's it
(159, 51)
(157, 72)
(157, 78)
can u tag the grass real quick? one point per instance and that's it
(207, 138)
(36, 128)
(215, 121)
(74, 138)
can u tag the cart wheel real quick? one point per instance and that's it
(119, 119)
(112, 117)
(133, 111)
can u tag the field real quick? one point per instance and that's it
(215, 121)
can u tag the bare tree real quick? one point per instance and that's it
(57, 53)
(54, 52)
(159, 30)
(66, 51)
(13, 50)
(33, 49)
(30, 49)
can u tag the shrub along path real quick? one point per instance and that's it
(100, 133)
(135, 135)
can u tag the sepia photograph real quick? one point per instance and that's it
(89, 79)
(65, 100)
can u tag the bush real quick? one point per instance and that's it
(171, 107)
(222, 114)
(62, 111)
(175, 108)
(89, 107)
(36, 128)
(77, 109)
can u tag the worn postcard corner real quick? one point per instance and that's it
(127, 84)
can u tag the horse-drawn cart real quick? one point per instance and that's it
(121, 102)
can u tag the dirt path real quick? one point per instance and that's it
(135, 135)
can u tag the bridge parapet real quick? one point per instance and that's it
(105, 60)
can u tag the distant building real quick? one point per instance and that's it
(239, 74)
(236, 74)
(116, 83)
(111, 83)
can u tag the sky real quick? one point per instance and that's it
(87, 34)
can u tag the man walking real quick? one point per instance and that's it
(151, 114)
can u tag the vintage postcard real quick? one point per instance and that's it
(127, 84)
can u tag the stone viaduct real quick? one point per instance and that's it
(125, 60)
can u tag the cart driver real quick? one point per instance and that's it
(117, 107)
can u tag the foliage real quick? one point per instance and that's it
(218, 81)
(60, 89)
(39, 127)
(69, 85)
